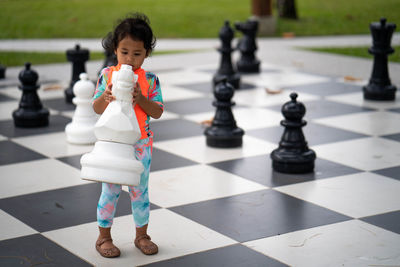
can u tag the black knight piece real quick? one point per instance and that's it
(293, 154)
(247, 47)
(379, 86)
(30, 112)
(223, 132)
(78, 57)
(226, 69)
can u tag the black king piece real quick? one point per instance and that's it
(293, 154)
(78, 57)
(379, 86)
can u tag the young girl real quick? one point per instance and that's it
(132, 41)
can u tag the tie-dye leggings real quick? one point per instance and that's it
(139, 194)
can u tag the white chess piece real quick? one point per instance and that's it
(81, 130)
(117, 130)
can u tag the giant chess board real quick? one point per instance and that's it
(209, 206)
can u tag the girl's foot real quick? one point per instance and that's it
(104, 244)
(145, 245)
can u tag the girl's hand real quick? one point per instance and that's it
(108, 96)
(137, 94)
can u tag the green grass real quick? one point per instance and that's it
(357, 52)
(183, 18)
(11, 58)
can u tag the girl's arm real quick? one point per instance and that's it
(101, 103)
(151, 108)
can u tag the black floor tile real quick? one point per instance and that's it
(327, 88)
(389, 221)
(258, 215)
(314, 134)
(74, 161)
(162, 160)
(259, 169)
(175, 129)
(55, 209)
(57, 123)
(5, 98)
(393, 172)
(36, 250)
(58, 104)
(232, 256)
(207, 87)
(11, 152)
(190, 106)
(395, 137)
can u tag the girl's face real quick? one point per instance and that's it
(131, 52)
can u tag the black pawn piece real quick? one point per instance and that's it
(226, 68)
(30, 112)
(223, 132)
(293, 154)
(247, 47)
(78, 57)
(2, 71)
(379, 86)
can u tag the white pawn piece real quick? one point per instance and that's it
(117, 130)
(81, 130)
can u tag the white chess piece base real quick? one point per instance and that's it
(81, 132)
(112, 162)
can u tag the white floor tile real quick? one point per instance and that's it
(12, 227)
(367, 154)
(56, 145)
(2, 137)
(24, 178)
(357, 99)
(370, 123)
(195, 148)
(186, 76)
(172, 93)
(43, 91)
(357, 195)
(351, 243)
(175, 236)
(191, 184)
(5, 107)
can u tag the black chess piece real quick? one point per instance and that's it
(293, 154)
(247, 47)
(223, 132)
(2, 71)
(78, 57)
(226, 69)
(110, 59)
(30, 112)
(379, 86)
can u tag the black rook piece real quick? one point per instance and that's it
(293, 154)
(226, 68)
(30, 112)
(247, 47)
(78, 57)
(379, 86)
(223, 132)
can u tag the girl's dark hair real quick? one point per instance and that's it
(137, 26)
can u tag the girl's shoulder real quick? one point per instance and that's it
(151, 76)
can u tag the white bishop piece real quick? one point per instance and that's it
(81, 130)
(117, 130)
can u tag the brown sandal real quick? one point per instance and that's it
(107, 252)
(147, 250)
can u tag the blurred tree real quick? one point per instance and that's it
(287, 9)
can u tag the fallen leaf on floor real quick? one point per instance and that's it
(51, 87)
(351, 78)
(273, 92)
(207, 122)
(298, 64)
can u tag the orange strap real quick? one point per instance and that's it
(144, 86)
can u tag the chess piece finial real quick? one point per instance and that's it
(78, 58)
(30, 112)
(81, 129)
(379, 87)
(226, 69)
(117, 130)
(293, 154)
(223, 132)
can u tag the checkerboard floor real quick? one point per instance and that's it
(215, 207)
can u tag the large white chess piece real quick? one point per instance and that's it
(81, 130)
(117, 130)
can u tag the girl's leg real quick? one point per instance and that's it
(105, 215)
(140, 198)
